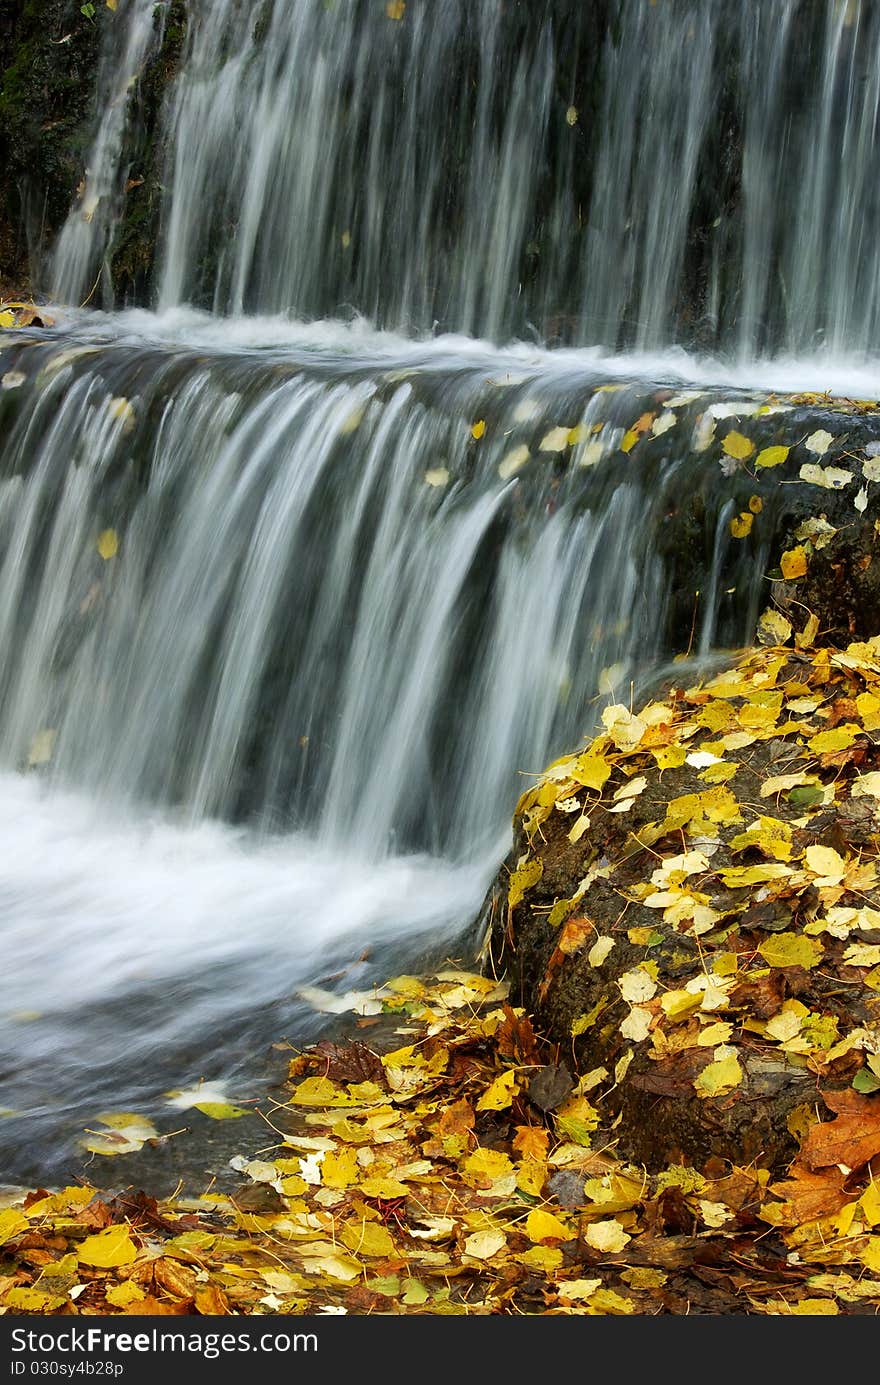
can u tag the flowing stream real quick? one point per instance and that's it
(296, 589)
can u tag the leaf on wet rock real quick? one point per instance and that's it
(737, 445)
(831, 478)
(772, 456)
(819, 442)
(523, 879)
(720, 1076)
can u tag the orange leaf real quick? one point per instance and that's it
(531, 1141)
(852, 1139)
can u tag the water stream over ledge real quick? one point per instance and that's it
(298, 590)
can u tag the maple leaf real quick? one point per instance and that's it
(851, 1139)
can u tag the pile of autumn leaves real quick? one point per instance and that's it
(429, 1178)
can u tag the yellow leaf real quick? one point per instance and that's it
(608, 1236)
(479, 427)
(531, 1175)
(219, 1110)
(772, 456)
(629, 440)
(670, 757)
(544, 1226)
(339, 1169)
(319, 1091)
(599, 951)
(740, 877)
(109, 1249)
(592, 771)
(838, 739)
(555, 441)
(41, 748)
(545, 1259)
(341, 1267)
(793, 563)
(7, 319)
(513, 461)
(122, 1295)
(827, 863)
(741, 527)
(571, 116)
(367, 1238)
(737, 445)
(108, 544)
(574, 1289)
(500, 1093)
(384, 1188)
(484, 1166)
(773, 628)
(523, 879)
(791, 950)
(32, 1301)
(111, 4)
(484, 1244)
(580, 826)
(395, 8)
(11, 1222)
(719, 1077)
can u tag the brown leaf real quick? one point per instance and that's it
(456, 1119)
(574, 935)
(674, 1075)
(851, 1139)
(532, 1141)
(515, 1037)
(763, 996)
(211, 1301)
(153, 1307)
(174, 1278)
(811, 1195)
(352, 1062)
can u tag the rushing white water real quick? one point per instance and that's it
(296, 594)
(630, 173)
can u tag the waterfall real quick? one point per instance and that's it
(310, 562)
(626, 173)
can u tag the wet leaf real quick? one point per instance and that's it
(737, 445)
(772, 456)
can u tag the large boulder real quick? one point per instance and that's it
(691, 907)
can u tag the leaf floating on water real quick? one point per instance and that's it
(478, 428)
(13, 379)
(513, 462)
(124, 1133)
(41, 749)
(738, 445)
(361, 1002)
(772, 456)
(741, 526)
(395, 8)
(663, 423)
(122, 410)
(219, 1110)
(7, 319)
(571, 115)
(108, 544)
(819, 442)
(556, 440)
(437, 476)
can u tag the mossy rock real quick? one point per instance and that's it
(691, 908)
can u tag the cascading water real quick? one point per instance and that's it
(620, 172)
(291, 608)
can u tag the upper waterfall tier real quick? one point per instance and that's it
(622, 172)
